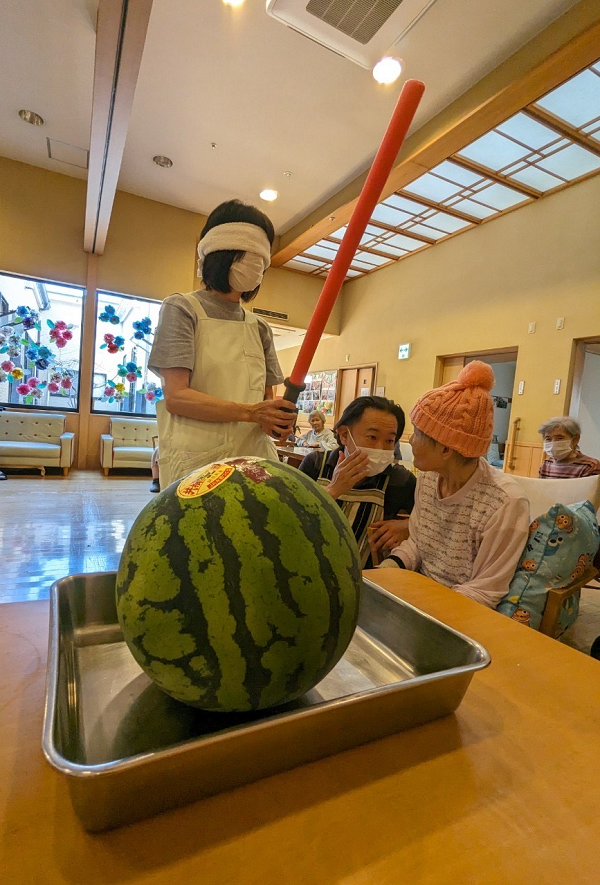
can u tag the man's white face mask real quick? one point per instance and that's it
(379, 459)
(247, 273)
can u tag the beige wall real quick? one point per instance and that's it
(291, 293)
(479, 291)
(41, 223)
(150, 248)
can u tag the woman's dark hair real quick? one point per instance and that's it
(356, 409)
(216, 267)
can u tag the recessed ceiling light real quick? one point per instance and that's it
(31, 117)
(268, 195)
(387, 69)
(165, 162)
(233, 2)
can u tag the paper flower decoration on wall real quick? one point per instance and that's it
(60, 332)
(142, 328)
(152, 392)
(31, 389)
(109, 315)
(28, 317)
(131, 371)
(113, 343)
(10, 344)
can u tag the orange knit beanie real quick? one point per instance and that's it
(461, 413)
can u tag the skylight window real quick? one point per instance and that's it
(549, 144)
(494, 151)
(528, 132)
(577, 101)
(572, 162)
(432, 187)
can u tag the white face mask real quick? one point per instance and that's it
(247, 273)
(379, 459)
(558, 449)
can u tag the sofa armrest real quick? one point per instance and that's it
(67, 449)
(106, 450)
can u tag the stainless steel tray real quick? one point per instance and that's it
(129, 751)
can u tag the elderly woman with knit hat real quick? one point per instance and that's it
(470, 521)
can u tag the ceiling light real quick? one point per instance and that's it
(387, 69)
(31, 117)
(233, 2)
(165, 162)
(268, 195)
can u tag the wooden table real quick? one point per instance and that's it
(504, 792)
(293, 454)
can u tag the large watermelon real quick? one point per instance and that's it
(238, 587)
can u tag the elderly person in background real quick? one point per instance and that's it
(564, 459)
(319, 437)
(470, 521)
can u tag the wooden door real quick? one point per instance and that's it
(366, 377)
(451, 368)
(351, 382)
(346, 389)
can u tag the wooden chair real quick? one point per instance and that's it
(555, 599)
(542, 495)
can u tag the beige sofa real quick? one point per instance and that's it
(129, 443)
(35, 439)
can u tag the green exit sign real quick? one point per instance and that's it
(403, 351)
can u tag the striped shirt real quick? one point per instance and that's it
(470, 541)
(582, 465)
(382, 496)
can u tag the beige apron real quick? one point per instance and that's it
(230, 365)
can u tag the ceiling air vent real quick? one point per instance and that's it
(360, 30)
(67, 153)
(271, 314)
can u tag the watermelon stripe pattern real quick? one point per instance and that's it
(244, 597)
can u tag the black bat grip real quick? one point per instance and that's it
(291, 394)
(292, 391)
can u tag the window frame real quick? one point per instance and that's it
(24, 407)
(111, 413)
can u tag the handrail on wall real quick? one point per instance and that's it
(510, 448)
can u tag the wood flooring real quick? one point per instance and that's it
(56, 526)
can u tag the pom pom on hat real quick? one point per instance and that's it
(460, 414)
(476, 374)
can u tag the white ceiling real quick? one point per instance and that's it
(271, 99)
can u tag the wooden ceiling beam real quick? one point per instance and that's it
(562, 128)
(456, 213)
(120, 37)
(372, 250)
(524, 189)
(560, 51)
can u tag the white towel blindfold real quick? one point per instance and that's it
(235, 235)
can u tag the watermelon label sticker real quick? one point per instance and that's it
(204, 480)
(251, 468)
